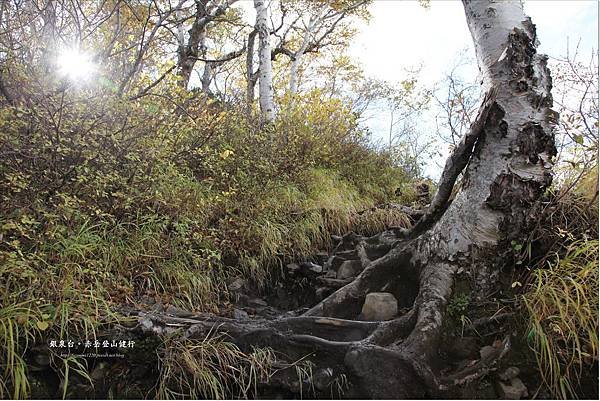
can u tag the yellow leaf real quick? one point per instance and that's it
(226, 153)
(42, 325)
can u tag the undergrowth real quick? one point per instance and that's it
(131, 203)
(563, 313)
(561, 292)
(211, 368)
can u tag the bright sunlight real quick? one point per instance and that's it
(76, 65)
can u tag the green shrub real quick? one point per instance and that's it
(120, 201)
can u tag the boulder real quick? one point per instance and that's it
(349, 268)
(514, 390)
(379, 306)
(240, 314)
(509, 374)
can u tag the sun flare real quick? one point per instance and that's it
(76, 65)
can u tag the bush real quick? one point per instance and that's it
(107, 202)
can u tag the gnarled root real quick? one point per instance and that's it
(389, 359)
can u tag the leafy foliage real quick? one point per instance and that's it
(113, 202)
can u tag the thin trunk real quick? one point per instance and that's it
(206, 77)
(250, 75)
(391, 128)
(265, 83)
(306, 41)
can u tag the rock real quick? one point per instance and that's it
(463, 348)
(347, 255)
(178, 312)
(349, 268)
(333, 263)
(513, 391)
(509, 373)
(379, 306)
(258, 302)
(42, 359)
(323, 292)
(293, 267)
(348, 242)
(330, 274)
(322, 379)
(487, 351)
(312, 267)
(237, 284)
(321, 257)
(239, 314)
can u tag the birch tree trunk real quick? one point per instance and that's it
(506, 158)
(265, 81)
(308, 33)
(250, 74)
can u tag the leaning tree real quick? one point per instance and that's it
(506, 161)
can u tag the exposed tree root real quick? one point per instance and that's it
(326, 334)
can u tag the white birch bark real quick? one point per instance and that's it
(265, 84)
(309, 32)
(513, 156)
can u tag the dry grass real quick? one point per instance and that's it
(210, 368)
(563, 316)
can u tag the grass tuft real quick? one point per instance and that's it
(562, 302)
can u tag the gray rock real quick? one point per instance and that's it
(487, 351)
(42, 359)
(237, 284)
(347, 255)
(322, 378)
(330, 274)
(313, 267)
(240, 314)
(178, 312)
(509, 373)
(349, 268)
(293, 267)
(321, 257)
(379, 306)
(258, 302)
(322, 293)
(513, 391)
(333, 263)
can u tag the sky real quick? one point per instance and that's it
(402, 35)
